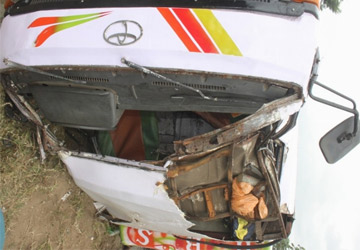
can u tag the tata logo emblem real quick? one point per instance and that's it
(122, 33)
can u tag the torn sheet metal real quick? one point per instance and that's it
(270, 113)
(201, 185)
(131, 191)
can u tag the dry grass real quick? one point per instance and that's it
(30, 196)
(20, 168)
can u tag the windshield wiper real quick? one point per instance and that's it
(157, 75)
(38, 71)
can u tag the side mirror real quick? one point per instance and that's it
(344, 137)
(340, 140)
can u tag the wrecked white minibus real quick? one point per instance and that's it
(188, 107)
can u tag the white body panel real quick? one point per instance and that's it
(129, 193)
(272, 46)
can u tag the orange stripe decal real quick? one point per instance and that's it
(180, 32)
(200, 29)
(196, 31)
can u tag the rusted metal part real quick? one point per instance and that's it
(272, 193)
(208, 201)
(240, 154)
(175, 171)
(197, 155)
(206, 189)
(209, 204)
(227, 194)
(265, 116)
(217, 216)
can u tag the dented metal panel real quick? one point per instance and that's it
(270, 113)
(202, 185)
(131, 191)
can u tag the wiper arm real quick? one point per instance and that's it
(150, 72)
(38, 71)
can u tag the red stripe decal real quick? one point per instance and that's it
(43, 21)
(195, 29)
(178, 29)
(44, 35)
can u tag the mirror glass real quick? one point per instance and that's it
(332, 147)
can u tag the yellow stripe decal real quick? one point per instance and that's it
(217, 32)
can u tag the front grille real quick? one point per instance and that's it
(195, 86)
(86, 79)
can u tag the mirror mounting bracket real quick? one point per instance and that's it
(344, 136)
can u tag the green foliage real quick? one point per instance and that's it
(333, 5)
(285, 244)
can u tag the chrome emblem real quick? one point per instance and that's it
(124, 32)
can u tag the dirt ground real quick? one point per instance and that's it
(44, 221)
(36, 216)
(31, 195)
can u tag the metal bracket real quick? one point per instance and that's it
(353, 110)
